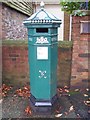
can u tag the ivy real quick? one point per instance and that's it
(75, 8)
(79, 13)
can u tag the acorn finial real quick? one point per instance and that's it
(42, 4)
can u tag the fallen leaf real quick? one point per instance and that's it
(69, 95)
(87, 89)
(26, 88)
(0, 89)
(66, 87)
(85, 95)
(15, 95)
(66, 113)
(5, 89)
(58, 115)
(76, 90)
(24, 92)
(87, 103)
(60, 90)
(1, 101)
(28, 110)
(66, 90)
(89, 111)
(78, 115)
(57, 111)
(3, 95)
(20, 90)
(71, 109)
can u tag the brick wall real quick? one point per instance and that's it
(12, 23)
(15, 67)
(15, 64)
(80, 55)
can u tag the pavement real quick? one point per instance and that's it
(72, 104)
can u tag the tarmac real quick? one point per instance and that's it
(71, 104)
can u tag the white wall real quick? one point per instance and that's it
(56, 11)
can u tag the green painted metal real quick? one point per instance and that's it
(42, 44)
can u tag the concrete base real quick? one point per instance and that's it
(43, 106)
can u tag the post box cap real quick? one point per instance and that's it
(42, 16)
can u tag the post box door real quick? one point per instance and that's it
(40, 71)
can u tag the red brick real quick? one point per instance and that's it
(80, 46)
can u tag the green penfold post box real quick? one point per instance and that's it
(43, 54)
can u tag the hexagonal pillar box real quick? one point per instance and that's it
(43, 54)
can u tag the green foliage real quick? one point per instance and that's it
(14, 42)
(75, 8)
(79, 13)
(65, 44)
(89, 5)
(69, 6)
(61, 44)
